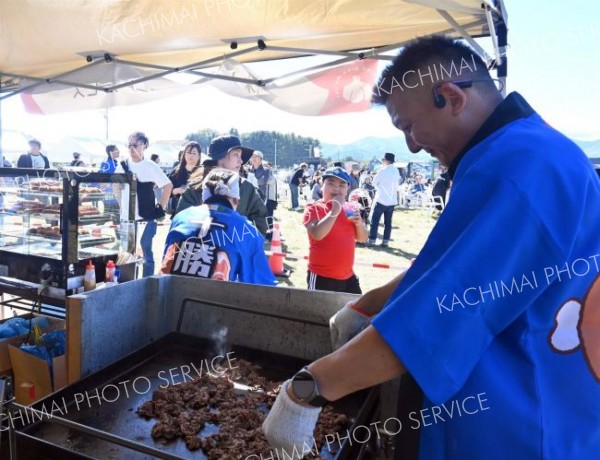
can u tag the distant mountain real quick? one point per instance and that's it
(368, 147)
(591, 148)
(372, 147)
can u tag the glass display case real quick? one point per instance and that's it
(52, 222)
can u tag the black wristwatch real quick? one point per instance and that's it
(306, 388)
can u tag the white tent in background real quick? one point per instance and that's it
(168, 151)
(92, 149)
(14, 143)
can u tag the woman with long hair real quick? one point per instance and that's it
(193, 194)
(190, 162)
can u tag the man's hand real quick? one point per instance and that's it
(345, 324)
(290, 426)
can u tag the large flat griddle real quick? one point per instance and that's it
(50, 440)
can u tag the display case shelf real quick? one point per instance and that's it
(81, 214)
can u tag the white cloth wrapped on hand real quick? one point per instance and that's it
(345, 324)
(290, 426)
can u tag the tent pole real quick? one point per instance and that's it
(106, 121)
(502, 33)
(1, 150)
(464, 34)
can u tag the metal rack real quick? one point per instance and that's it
(59, 260)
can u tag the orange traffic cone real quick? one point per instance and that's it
(276, 258)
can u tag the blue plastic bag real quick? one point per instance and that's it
(6, 331)
(37, 351)
(18, 326)
(55, 342)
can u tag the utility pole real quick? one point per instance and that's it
(275, 160)
(106, 121)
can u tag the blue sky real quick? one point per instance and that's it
(553, 59)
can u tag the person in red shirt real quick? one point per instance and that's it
(333, 227)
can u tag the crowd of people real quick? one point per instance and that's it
(342, 210)
(498, 151)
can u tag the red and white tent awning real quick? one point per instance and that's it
(92, 51)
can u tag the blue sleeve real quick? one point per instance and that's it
(185, 225)
(255, 265)
(473, 278)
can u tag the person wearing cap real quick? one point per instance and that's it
(493, 315)
(386, 198)
(227, 152)
(266, 184)
(334, 228)
(34, 158)
(296, 181)
(77, 161)
(213, 240)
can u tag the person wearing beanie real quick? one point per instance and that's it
(213, 240)
(334, 227)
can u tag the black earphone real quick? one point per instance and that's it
(440, 101)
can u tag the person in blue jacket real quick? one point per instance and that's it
(498, 318)
(112, 160)
(214, 241)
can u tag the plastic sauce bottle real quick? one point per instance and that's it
(110, 271)
(89, 279)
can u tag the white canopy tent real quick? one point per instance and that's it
(106, 46)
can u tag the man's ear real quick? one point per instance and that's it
(455, 96)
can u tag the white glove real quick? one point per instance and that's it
(290, 426)
(345, 324)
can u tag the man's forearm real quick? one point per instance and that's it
(373, 301)
(166, 194)
(365, 361)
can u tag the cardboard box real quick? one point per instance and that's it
(5, 364)
(33, 377)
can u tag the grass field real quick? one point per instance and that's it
(410, 229)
